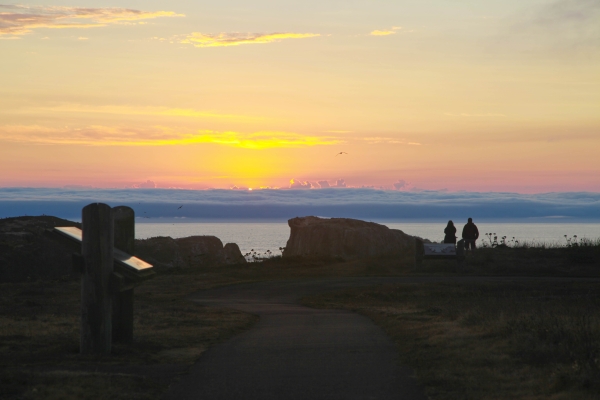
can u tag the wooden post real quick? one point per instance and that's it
(96, 304)
(122, 319)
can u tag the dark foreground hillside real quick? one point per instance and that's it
(28, 254)
(469, 334)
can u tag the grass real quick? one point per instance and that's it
(491, 240)
(39, 326)
(39, 333)
(527, 259)
(535, 340)
(39, 329)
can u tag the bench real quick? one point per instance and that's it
(438, 251)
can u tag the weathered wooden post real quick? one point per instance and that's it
(109, 272)
(122, 317)
(96, 304)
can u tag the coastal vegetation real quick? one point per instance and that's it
(502, 340)
(39, 329)
(39, 332)
(525, 259)
(476, 339)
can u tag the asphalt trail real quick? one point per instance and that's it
(296, 352)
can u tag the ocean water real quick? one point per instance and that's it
(271, 235)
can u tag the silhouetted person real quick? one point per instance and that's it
(470, 234)
(450, 232)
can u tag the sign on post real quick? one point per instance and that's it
(109, 273)
(124, 263)
(442, 251)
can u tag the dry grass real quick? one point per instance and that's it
(578, 261)
(299, 268)
(39, 329)
(489, 341)
(39, 336)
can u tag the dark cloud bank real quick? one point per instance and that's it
(284, 204)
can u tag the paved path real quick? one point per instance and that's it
(296, 352)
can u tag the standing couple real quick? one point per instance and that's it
(470, 234)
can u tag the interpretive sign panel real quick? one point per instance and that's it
(439, 249)
(124, 263)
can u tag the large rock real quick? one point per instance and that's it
(233, 254)
(345, 238)
(188, 252)
(28, 254)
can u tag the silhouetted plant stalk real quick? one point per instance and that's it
(255, 256)
(491, 241)
(572, 241)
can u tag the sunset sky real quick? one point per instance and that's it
(489, 95)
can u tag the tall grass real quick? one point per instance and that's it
(534, 340)
(492, 240)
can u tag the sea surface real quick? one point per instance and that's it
(261, 236)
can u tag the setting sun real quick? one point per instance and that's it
(508, 102)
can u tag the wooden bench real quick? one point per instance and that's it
(438, 251)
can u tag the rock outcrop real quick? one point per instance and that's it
(233, 255)
(188, 252)
(344, 238)
(28, 254)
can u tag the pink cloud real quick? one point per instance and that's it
(144, 185)
(340, 183)
(19, 20)
(401, 184)
(294, 184)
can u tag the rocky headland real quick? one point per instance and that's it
(344, 238)
(29, 253)
(193, 251)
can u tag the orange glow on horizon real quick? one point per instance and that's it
(146, 96)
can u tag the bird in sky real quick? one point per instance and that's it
(179, 207)
(340, 153)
